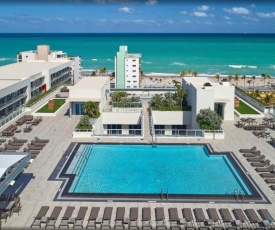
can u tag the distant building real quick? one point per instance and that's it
(127, 69)
(44, 53)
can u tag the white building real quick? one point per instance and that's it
(19, 82)
(127, 69)
(203, 93)
(44, 53)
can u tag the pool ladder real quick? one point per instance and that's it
(154, 141)
(161, 195)
(239, 195)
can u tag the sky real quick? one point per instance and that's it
(136, 16)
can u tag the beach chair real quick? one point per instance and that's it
(255, 154)
(173, 218)
(34, 143)
(214, 219)
(241, 221)
(133, 218)
(263, 163)
(268, 169)
(160, 218)
(255, 159)
(9, 147)
(107, 215)
(53, 217)
(187, 215)
(227, 218)
(19, 140)
(270, 181)
(200, 218)
(67, 215)
(253, 218)
(267, 219)
(119, 221)
(146, 218)
(252, 150)
(267, 175)
(92, 218)
(32, 147)
(11, 143)
(41, 214)
(2, 140)
(272, 187)
(41, 140)
(78, 223)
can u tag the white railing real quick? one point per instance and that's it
(118, 132)
(185, 132)
(10, 102)
(123, 110)
(12, 115)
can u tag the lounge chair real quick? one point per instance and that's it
(53, 217)
(268, 169)
(187, 214)
(252, 150)
(252, 217)
(241, 220)
(214, 217)
(272, 187)
(36, 152)
(267, 175)
(107, 215)
(4, 216)
(34, 143)
(146, 218)
(67, 215)
(119, 221)
(92, 218)
(266, 217)
(80, 217)
(32, 147)
(255, 159)
(160, 218)
(227, 218)
(9, 147)
(173, 218)
(255, 154)
(27, 129)
(200, 218)
(19, 140)
(11, 143)
(270, 181)
(42, 213)
(133, 218)
(263, 163)
(41, 140)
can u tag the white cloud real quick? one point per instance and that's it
(186, 21)
(227, 18)
(252, 5)
(170, 22)
(183, 12)
(203, 8)
(237, 10)
(251, 19)
(151, 2)
(125, 10)
(266, 15)
(200, 14)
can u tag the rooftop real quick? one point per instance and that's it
(91, 83)
(198, 82)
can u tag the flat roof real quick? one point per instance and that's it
(123, 118)
(91, 83)
(198, 82)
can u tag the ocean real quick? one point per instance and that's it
(224, 54)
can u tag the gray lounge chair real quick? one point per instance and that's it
(133, 218)
(241, 220)
(272, 187)
(11, 143)
(200, 218)
(227, 218)
(41, 140)
(119, 221)
(42, 213)
(146, 218)
(19, 140)
(31, 151)
(255, 154)
(53, 217)
(267, 175)
(252, 150)
(213, 215)
(34, 143)
(67, 215)
(252, 217)
(268, 169)
(78, 223)
(9, 147)
(107, 215)
(187, 214)
(92, 218)
(270, 181)
(32, 147)
(173, 218)
(266, 217)
(2, 140)
(260, 164)
(256, 159)
(160, 218)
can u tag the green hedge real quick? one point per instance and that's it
(41, 95)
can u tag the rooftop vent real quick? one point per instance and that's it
(207, 86)
(224, 81)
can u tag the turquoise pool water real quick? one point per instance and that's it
(142, 169)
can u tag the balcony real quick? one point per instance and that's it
(13, 100)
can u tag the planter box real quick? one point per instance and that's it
(218, 136)
(82, 134)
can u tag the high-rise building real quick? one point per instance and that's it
(127, 68)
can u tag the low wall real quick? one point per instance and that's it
(82, 134)
(218, 136)
(260, 115)
(35, 113)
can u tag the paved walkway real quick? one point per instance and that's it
(39, 191)
(146, 119)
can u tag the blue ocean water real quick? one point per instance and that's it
(144, 169)
(250, 54)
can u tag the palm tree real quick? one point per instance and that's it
(189, 72)
(268, 78)
(217, 77)
(229, 78)
(236, 77)
(182, 73)
(93, 74)
(244, 77)
(253, 80)
(91, 109)
(249, 82)
(195, 73)
(264, 77)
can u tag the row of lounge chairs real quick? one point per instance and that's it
(13, 145)
(36, 146)
(247, 219)
(261, 165)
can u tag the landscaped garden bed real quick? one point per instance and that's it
(57, 104)
(245, 109)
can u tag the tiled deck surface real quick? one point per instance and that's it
(58, 129)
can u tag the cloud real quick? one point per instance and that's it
(237, 10)
(186, 21)
(203, 8)
(251, 19)
(227, 18)
(266, 15)
(151, 2)
(125, 10)
(170, 22)
(200, 14)
(252, 5)
(183, 12)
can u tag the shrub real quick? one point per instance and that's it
(209, 120)
(84, 123)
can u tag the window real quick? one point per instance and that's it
(114, 129)
(134, 71)
(134, 60)
(135, 86)
(178, 130)
(128, 81)
(135, 129)
(159, 129)
(134, 76)
(133, 65)
(135, 81)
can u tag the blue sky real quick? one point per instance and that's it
(117, 16)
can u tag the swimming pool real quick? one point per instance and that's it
(145, 170)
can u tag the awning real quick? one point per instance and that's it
(120, 118)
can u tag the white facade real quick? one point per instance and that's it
(44, 53)
(213, 95)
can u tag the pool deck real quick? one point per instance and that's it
(39, 191)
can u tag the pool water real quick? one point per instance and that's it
(143, 169)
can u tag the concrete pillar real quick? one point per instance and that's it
(70, 110)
